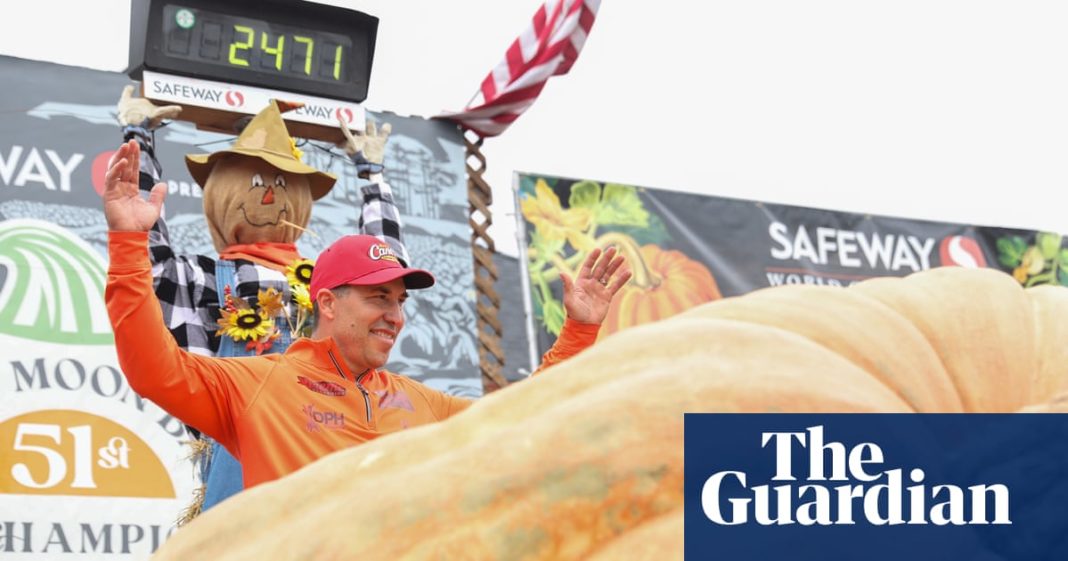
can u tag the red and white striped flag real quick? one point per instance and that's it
(547, 48)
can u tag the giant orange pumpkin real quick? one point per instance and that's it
(666, 282)
(585, 461)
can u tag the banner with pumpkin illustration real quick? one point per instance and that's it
(88, 468)
(686, 249)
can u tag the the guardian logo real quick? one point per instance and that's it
(844, 486)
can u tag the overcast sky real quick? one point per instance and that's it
(936, 109)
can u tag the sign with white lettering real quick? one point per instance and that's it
(687, 249)
(218, 106)
(23, 165)
(72, 432)
(876, 487)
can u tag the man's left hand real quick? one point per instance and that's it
(586, 299)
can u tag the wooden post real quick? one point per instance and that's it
(487, 301)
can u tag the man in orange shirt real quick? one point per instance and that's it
(278, 412)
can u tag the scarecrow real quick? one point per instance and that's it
(253, 298)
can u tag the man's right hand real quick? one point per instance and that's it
(124, 208)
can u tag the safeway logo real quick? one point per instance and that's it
(850, 248)
(235, 99)
(961, 251)
(32, 167)
(164, 88)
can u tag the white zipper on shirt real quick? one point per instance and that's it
(359, 386)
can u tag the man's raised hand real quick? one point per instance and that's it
(587, 298)
(124, 208)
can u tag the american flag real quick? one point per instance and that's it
(548, 47)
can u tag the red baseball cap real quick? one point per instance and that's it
(363, 260)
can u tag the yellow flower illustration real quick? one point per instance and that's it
(299, 272)
(552, 221)
(1031, 264)
(270, 301)
(244, 324)
(1020, 274)
(302, 297)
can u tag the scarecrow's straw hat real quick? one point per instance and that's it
(267, 138)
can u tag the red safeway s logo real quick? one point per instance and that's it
(961, 251)
(346, 114)
(234, 98)
(99, 169)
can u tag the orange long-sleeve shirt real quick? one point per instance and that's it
(275, 413)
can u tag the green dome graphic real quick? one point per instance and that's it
(53, 285)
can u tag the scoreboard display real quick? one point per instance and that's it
(286, 45)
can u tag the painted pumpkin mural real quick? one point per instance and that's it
(666, 281)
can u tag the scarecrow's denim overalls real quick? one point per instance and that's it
(221, 472)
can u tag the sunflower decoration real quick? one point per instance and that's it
(302, 297)
(299, 275)
(241, 322)
(299, 272)
(245, 324)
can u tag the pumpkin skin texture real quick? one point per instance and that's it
(1058, 404)
(585, 461)
(678, 283)
(1050, 303)
(855, 327)
(938, 304)
(656, 540)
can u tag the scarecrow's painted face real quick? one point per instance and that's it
(247, 200)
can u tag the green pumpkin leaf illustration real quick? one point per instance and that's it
(621, 206)
(1048, 243)
(585, 194)
(553, 317)
(1011, 250)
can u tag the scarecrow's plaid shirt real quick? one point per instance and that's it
(186, 284)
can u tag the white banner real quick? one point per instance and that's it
(86, 465)
(250, 100)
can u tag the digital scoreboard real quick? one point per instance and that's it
(321, 53)
(293, 46)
